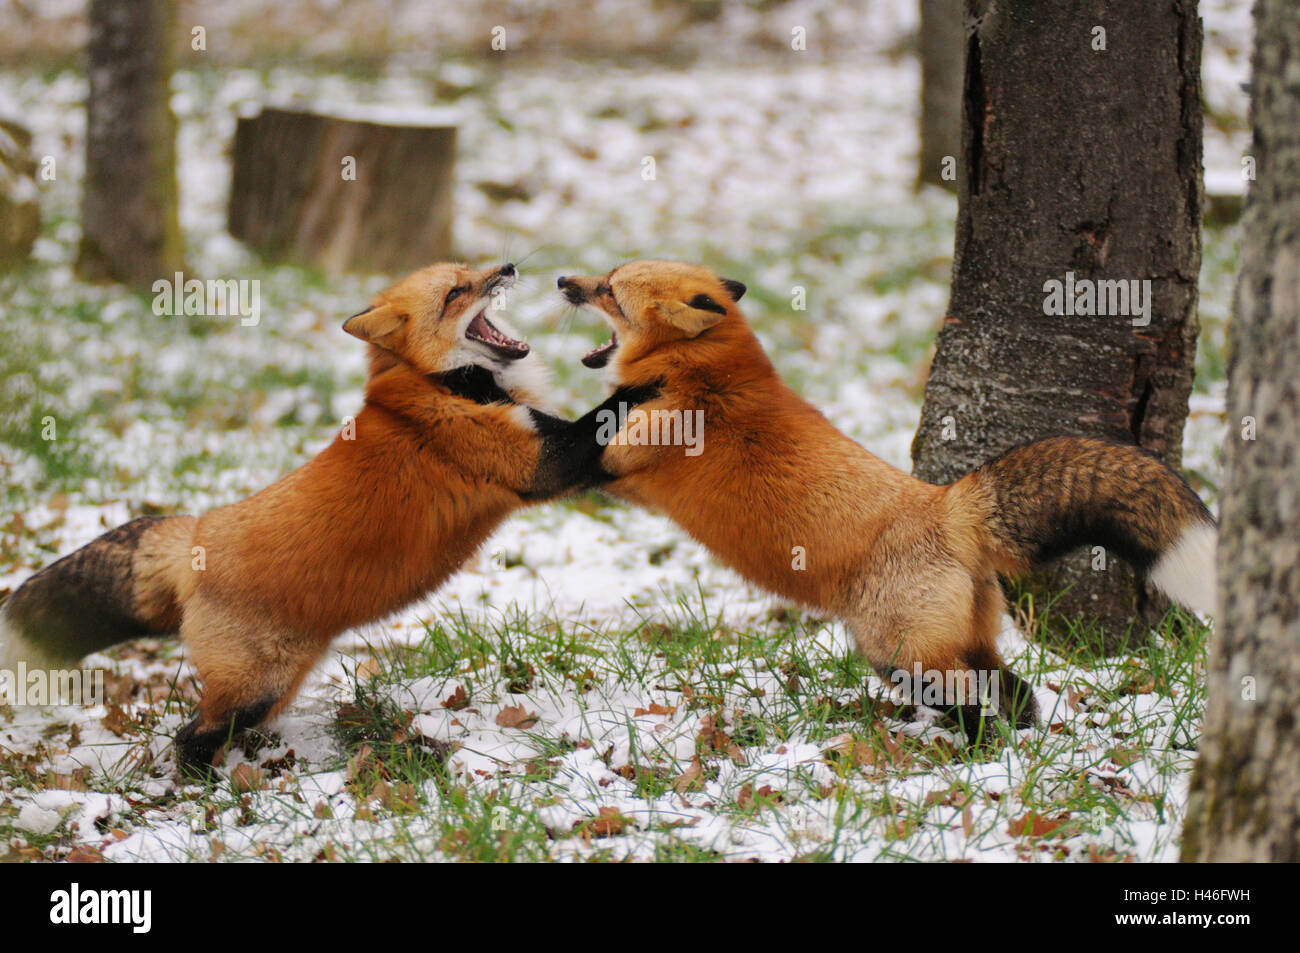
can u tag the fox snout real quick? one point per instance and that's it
(506, 273)
(571, 289)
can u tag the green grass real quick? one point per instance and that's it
(229, 411)
(405, 804)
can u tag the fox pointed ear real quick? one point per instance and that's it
(376, 324)
(697, 315)
(734, 288)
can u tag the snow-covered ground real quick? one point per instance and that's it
(784, 173)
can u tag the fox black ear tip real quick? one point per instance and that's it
(734, 288)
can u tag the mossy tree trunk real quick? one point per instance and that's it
(1245, 803)
(130, 223)
(1081, 162)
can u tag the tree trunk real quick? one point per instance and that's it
(1245, 803)
(1079, 164)
(341, 192)
(943, 47)
(130, 226)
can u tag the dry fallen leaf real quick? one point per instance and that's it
(458, 700)
(118, 721)
(1125, 757)
(401, 798)
(362, 764)
(1034, 824)
(691, 778)
(516, 716)
(608, 824)
(246, 778)
(711, 737)
(846, 746)
(1107, 855)
(655, 709)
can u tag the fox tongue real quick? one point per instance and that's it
(599, 356)
(481, 329)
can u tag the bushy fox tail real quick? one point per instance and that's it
(1043, 499)
(120, 586)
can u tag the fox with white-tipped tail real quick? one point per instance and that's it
(444, 449)
(909, 567)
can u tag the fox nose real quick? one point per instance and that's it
(571, 290)
(508, 268)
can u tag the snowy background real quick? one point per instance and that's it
(622, 695)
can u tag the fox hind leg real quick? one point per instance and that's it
(248, 675)
(952, 635)
(200, 740)
(1013, 695)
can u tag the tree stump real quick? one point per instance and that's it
(20, 213)
(344, 190)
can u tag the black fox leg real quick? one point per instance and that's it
(199, 741)
(571, 450)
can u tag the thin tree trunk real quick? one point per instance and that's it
(1245, 803)
(943, 48)
(1079, 163)
(130, 225)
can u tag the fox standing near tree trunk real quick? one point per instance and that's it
(795, 506)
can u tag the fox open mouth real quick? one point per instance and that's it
(483, 331)
(599, 356)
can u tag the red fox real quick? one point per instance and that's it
(786, 500)
(443, 450)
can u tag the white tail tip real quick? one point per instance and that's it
(1187, 571)
(14, 648)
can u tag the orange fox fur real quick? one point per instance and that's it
(795, 506)
(436, 459)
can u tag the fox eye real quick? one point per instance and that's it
(705, 303)
(453, 294)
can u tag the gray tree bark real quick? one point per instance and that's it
(1245, 802)
(130, 224)
(943, 49)
(1081, 160)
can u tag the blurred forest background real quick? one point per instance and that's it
(787, 144)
